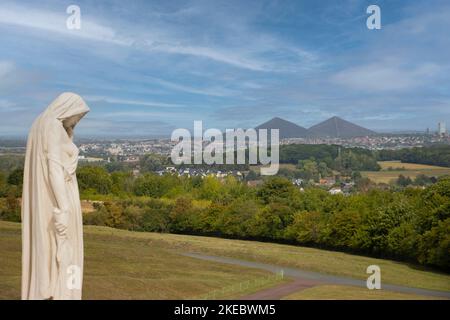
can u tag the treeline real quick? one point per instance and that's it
(344, 160)
(357, 159)
(411, 224)
(438, 155)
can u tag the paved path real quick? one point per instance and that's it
(282, 290)
(305, 279)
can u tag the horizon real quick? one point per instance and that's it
(146, 68)
(110, 137)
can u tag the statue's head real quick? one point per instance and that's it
(69, 108)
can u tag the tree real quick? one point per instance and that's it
(94, 178)
(404, 181)
(16, 177)
(152, 162)
(422, 180)
(308, 169)
(342, 228)
(306, 228)
(275, 188)
(155, 186)
(122, 183)
(3, 185)
(434, 245)
(271, 221)
(211, 189)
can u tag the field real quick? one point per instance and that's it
(122, 264)
(390, 170)
(288, 166)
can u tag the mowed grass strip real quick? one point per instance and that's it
(118, 267)
(338, 292)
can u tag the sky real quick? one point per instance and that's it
(146, 67)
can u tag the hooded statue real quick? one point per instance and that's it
(52, 230)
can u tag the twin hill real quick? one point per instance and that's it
(334, 127)
(287, 129)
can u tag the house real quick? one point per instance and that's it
(327, 181)
(335, 190)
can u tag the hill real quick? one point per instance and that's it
(338, 128)
(287, 129)
(123, 264)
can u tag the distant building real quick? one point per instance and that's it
(442, 130)
(335, 190)
(89, 159)
(327, 181)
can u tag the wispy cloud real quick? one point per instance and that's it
(6, 67)
(132, 102)
(386, 76)
(228, 62)
(55, 22)
(160, 40)
(209, 91)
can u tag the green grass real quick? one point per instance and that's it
(123, 264)
(118, 267)
(331, 262)
(336, 292)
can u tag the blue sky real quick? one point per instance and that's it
(147, 67)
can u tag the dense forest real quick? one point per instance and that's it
(344, 160)
(411, 224)
(438, 155)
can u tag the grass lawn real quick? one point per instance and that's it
(124, 264)
(390, 170)
(118, 267)
(336, 292)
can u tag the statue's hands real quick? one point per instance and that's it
(61, 218)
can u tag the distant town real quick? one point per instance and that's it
(334, 131)
(334, 155)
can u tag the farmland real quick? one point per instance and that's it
(390, 170)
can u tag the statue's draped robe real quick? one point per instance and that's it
(50, 262)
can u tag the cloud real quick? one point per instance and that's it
(5, 104)
(55, 22)
(122, 128)
(211, 91)
(231, 63)
(131, 102)
(250, 56)
(6, 68)
(386, 77)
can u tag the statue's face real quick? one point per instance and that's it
(71, 122)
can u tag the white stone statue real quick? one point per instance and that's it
(52, 229)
